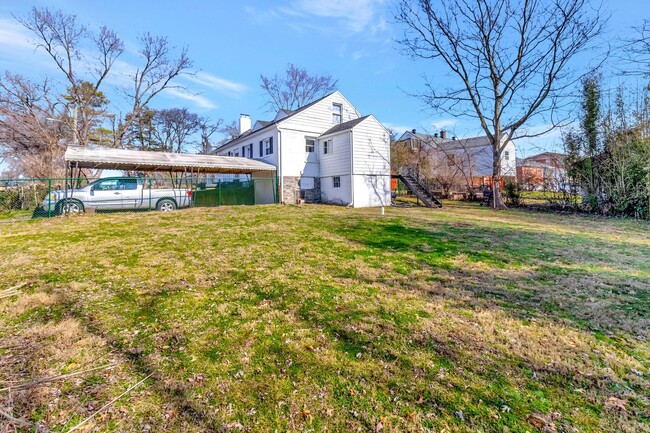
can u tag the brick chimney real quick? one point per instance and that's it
(443, 134)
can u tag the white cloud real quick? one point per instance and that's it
(439, 124)
(216, 83)
(400, 129)
(357, 17)
(198, 100)
(14, 36)
(354, 17)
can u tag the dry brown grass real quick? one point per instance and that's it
(329, 319)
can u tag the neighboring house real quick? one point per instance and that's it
(543, 172)
(456, 164)
(324, 152)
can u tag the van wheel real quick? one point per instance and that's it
(69, 206)
(166, 205)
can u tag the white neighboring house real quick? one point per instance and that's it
(324, 152)
(461, 162)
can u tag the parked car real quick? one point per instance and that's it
(116, 193)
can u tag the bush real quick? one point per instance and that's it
(512, 194)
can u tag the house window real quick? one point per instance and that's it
(450, 160)
(268, 146)
(337, 113)
(237, 153)
(327, 147)
(310, 145)
(337, 181)
(506, 155)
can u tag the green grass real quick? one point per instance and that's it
(318, 318)
(15, 214)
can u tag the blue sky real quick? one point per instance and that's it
(232, 43)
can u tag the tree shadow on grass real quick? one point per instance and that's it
(525, 272)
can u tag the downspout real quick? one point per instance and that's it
(279, 172)
(352, 167)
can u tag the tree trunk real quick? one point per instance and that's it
(497, 199)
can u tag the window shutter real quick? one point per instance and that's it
(243, 151)
(271, 144)
(261, 148)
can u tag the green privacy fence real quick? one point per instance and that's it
(26, 198)
(226, 193)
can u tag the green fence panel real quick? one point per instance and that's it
(226, 193)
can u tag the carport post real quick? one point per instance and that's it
(65, 196)
(219, 193)
(49, 197)
(149, 182)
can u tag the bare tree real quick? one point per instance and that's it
(636, 52)
(174, 128)
(159, 70)
(230, 131)
(31, 127)
(208, 128)
(296, 88)
(510, 58)
(64, 40)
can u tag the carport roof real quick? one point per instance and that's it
(124, 159)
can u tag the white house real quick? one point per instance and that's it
(324, 152)
(460, 163)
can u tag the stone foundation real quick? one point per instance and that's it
(291, 191)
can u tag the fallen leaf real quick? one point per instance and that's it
(616, 404)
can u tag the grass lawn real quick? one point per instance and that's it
(318, 318)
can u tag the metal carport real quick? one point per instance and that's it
(96, 157)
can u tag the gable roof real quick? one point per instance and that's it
(449, 143)
(290, 113)
(344, 126)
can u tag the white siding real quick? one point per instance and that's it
(295, 160)
(509, 167)
(318, 118)
(371, 190)
(369, 173)
(371, 148)
(331, 195)
(371, 164)
(337, 161)
(255, 139)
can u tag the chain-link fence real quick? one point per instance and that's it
(42, 198)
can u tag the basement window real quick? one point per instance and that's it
(337, 181)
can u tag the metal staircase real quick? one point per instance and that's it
(419, 190)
